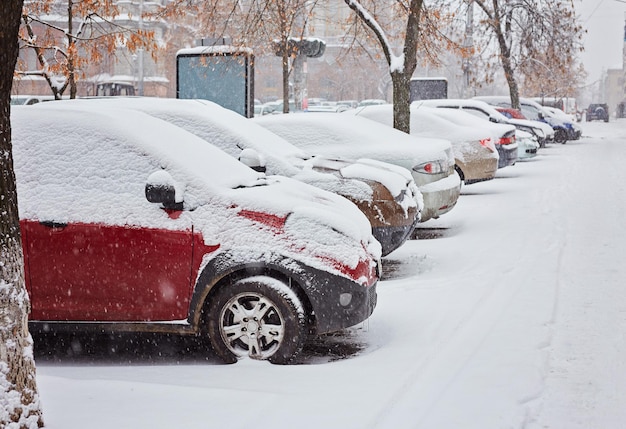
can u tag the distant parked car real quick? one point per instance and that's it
(533, 111)
(329, 108)
(26, 100)
(573, 129)
(527, 145)
(371, 102)
(502, 130)
(351, 104)
(598, 112)
(345, 136)
(131, 224)
(389, 198)
(475, 153)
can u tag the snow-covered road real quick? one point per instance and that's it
(515, 317)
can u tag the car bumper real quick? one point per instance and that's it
(527, 149)
(343, 303)
(440, 197)
(508, 155)
(392, 226)
(480, 170)
(392, 237)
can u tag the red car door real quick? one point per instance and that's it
(89, 272)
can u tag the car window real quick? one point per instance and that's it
(80, 176)
(530, 112)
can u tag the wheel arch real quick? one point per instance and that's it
(223, 271)
(459, 169)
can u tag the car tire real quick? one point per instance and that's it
(259, 317)
(560, 136)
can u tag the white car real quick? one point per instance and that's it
(430, 161)
(502, 131)
(527, 145)
(475, 153)
(542, 131)
(531, 110)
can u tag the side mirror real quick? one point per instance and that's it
(252, 159)
(161, 188)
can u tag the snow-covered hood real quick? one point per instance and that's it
(348, 137)
(397, 180)
(425, 122)
(298, 220)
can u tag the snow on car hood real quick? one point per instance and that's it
(226, 201)
(349, 137)
(316, 225)
(435, 123)
(397, 180)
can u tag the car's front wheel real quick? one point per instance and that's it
(260, 317)
(560, 136)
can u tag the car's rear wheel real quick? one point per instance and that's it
(259, 317)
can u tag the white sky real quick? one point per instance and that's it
(604, 21)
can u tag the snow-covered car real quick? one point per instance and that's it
(371, 102)
(482, 109)
(532, 111)
(527, 145)
(26, 100)
(388, 196)
(502, 131)
(132, 224)
(574, 130)
(475, 154)
(430, 161)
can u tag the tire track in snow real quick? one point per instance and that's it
(449, 359)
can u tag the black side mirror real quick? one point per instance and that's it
(252, 159)
(161, 189)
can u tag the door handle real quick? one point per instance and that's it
(52, 224)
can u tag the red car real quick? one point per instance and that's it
(132, 224)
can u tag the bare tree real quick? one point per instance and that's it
(549, 65)
(528, 34)
(420, 36)
(88, 34)
(19, 398)
(401, 67)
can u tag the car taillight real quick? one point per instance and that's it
(506, 140)
(434, 167)
(489, 144)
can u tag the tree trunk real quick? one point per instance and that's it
(401, 102)
(19, 399)
(285, 64)
(505, 59)
(509, 74)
